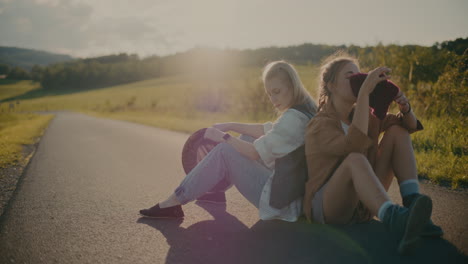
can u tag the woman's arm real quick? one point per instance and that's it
(361, 114)
(253, 130)
(245, 148)
(325, 135)
(409, 119)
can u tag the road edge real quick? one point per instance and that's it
(12, 176)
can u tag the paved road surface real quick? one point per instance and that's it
(79, 198)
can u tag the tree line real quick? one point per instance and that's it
(27, 58)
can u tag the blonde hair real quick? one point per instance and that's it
(329, 69)
(286, 72)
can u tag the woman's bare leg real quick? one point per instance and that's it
(352, 181)
(395, 157)
(355, 180)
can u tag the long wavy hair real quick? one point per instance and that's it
(329, 69)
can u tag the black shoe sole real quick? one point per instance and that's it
(432, 231)
(162, 217)
(419, 215)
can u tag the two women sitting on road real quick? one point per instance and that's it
(349, 169)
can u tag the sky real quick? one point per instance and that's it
(86, 28)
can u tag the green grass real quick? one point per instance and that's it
(189, 102)
(441, 151)
(17, 130)
(12, 88)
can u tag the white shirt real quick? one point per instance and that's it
(345, 127)
(281, 137)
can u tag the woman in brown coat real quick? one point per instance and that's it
(350, 171)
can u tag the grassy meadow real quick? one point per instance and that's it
(16, 130)
(187, 102)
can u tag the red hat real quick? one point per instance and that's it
(195, 149)
(382, 96)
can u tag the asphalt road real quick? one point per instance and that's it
(79, 198)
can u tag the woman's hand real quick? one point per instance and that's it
(373, 78)
(214, 134)
(306, 209)
(223, 126)
(307, 204)
(402, 102)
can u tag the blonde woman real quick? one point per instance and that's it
(350, 171)
(250, 166)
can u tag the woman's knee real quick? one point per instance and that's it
(396, 131)
(225, 149)
(394, 135)
(355, 158)
(357, 164)
(222, 147)
(352, 164)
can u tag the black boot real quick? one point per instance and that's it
(407, 223)
(430, 229)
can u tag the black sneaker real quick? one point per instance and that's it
(169, 212)
(430, 229)
(407, 223)
(215, 197)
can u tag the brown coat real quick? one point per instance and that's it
(326, 145)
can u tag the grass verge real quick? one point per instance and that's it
(441, 151)
(16, 130)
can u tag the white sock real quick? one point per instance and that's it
(383, 208)
(171, 201)
(409, 187)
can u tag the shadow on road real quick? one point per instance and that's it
(227, 240)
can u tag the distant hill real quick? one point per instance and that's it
(27, 58)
